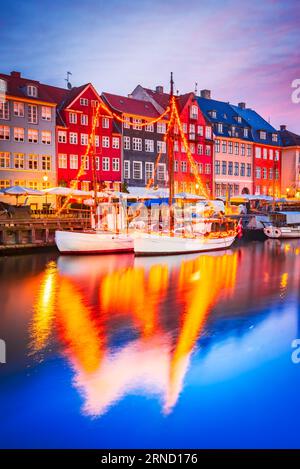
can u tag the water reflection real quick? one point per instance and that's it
(131, 325)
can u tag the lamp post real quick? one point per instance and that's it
(45, 179)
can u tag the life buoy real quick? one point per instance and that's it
(277, 232)
(272, 232)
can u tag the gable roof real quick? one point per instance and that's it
(163, 99)
(17, 87)
(289, 139)
(131, 106)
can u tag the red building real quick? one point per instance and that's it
(267, 170)
(198, 133)
(75, 111)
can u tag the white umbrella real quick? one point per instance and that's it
(18, 191)
(186, 195)
(65, 191)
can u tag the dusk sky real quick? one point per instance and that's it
(242, 51)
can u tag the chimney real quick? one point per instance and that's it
(242, 105)
(130, 96)
(205, 94)
(15, 74)
(282, 127)
(159, 89)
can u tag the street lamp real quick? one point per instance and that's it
(45, 179)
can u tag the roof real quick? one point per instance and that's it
(131, 106)
(289, 139)
(258, 123)
(163, 99)
(16, 86)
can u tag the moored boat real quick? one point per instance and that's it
(283, 225)
(92, 242)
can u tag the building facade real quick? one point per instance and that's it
(198, 134)
(75, 112)
(290, 162)
(141, 144)
(27, 133)
(233, 152)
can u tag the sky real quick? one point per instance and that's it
(241, 50)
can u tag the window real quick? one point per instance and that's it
(233, 130)
(183, 148)
(249, 150)
(137, 146)
(46, 137)
(161, 147)
(32, 114)
(176, 166)
(207, 150)
(242, 149)
(262, 135)
(46, 113)
(236, 189)
(62, 161)
(33, 161)
(161, 128)
(207, 168)
(243, 168)
(200, 130)
(217, 146)
(32, 91)
(4, 159)
(116, 164)
(33, 135)
(271, 173)
(199, 149)
(230, 168)
(62, 136)
(230, 148)
(264, 173)
(18, 109)
(236, 148)
(115, 142)
(194, 112)
(149, 128)
(97, 141)
(192, 148)
(265, 153)
(94, 102)
(208, 132)
(73, 161)
(176, 145)
(137, 170)
(105, 123)
(276, 174)
(213, 114)
(126, 169)
(18, 134)
(4, 132)
(149, 171)
(258, 172)
(274, 138)
(84, 102)
(149, 145)
(105, 142)
(85, 185)
(248, 170)
(73, 137)
(246, 133)
(192, 132)
(4, 110)
(84, 139)
(127, 122)
(85, 161)
(4, 183)
(32, 184)
(46, 162)
(200, 168)
(257, 152)
(224, 146)
(239, 119)
(161, 172)
(105, 163)
(224, 168)
(126, 143)
(217, 167)
(73, 118)
(183, 166)
(97, 162)
(271, 154)
(136, 124)
(276, 155)
(84, 119)
(19, 160)
(184, 127)
(236, 169)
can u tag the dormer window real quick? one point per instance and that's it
(274, 138)
(213, 114)
(3, 87)
(262, 135)
(220, 128)
(233, 130)
(239, 119)
(32, 91)
(246, 133)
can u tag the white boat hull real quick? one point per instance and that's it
(282, 232)
(89, 242)
(156, 245)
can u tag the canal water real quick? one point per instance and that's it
(171, 352)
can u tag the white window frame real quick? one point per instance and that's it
(126, 169)
(138, 164)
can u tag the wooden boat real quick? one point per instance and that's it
(92, 242)
(283, 225)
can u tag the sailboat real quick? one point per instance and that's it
(218, 233)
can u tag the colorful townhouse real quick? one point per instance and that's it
(290, 162)
(27, 133)
(266, 152)
(198, 132)
(76, 108)
(141, 143)
(233, 154)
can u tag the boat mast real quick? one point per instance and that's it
(94, 169)
(170, 146)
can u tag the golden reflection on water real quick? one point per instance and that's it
(164, 303)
